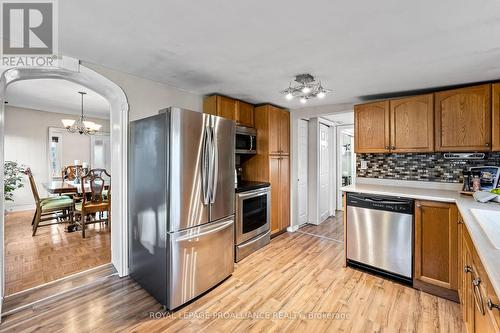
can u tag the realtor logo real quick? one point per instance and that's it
(28, 29)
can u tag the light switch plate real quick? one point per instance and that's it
(364, 165)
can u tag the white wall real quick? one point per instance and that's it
(26, 142)
(295, 115)
(146, 97)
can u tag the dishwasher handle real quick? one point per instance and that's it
(388, 202)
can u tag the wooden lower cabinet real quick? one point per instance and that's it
(279, 174)
(465, 292)
(436, 255)
(475, 289)
(284, 192)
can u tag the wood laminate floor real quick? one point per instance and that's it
(51, 254)
(295, 284)
(332, 227)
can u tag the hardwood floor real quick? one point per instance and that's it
(298, 277)
(332, 227)
(57, 289)
(51, 254)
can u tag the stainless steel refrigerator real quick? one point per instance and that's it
(181, 203)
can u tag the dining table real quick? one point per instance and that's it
(66, 186)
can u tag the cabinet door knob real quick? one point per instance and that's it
(467, 269)
(492, 305)
(486, 144)
(393, 147)
(387, 147)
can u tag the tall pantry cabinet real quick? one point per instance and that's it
(272, 162)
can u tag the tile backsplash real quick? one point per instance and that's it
(419, 166)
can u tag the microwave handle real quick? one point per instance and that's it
(251, 142)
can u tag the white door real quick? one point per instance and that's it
(324, 172)
(303, 132)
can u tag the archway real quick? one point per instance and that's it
(119, 127)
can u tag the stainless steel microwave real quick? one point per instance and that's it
(246, 140)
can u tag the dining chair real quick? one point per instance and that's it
(49, 209)
(71, 172)
(93, 201)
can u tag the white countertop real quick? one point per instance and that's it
(489, 254)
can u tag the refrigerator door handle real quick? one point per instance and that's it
(215, 166)
(205, 167)
(216, 228)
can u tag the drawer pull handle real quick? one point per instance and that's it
(492, 305)
(477, 295)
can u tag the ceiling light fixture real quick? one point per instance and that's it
(82, 125)
(305, 89)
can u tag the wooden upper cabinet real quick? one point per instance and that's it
(371, 123)
(240, 112)
(412, 124)
(274, 130)
(496, 117)
(463, 119)
(227, 107)
(245, 116)
(436, 248)
(285, 132)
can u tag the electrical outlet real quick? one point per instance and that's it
(364, 165)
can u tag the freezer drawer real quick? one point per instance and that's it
(200, 258)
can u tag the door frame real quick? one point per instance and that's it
(328, 130)
(338, 158)
(299, 157)
(70, 70)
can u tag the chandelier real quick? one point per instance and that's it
(305, 89)
(82, 125)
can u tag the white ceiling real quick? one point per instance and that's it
(341, 118)
(252, 49)
(54, 95)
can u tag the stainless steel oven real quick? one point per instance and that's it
(246, 140)
(253, 209)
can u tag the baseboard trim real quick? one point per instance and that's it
(452, 295)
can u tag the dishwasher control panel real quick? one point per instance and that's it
(379, 202)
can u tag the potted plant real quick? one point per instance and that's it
(13, 179)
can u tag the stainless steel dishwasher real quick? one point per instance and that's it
(380, 235)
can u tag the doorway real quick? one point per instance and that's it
(324, 172)
(303, 151)
(70, 70)
(43, 216)
(328, 166)
(346, 160)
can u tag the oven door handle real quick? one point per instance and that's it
(253, 195)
